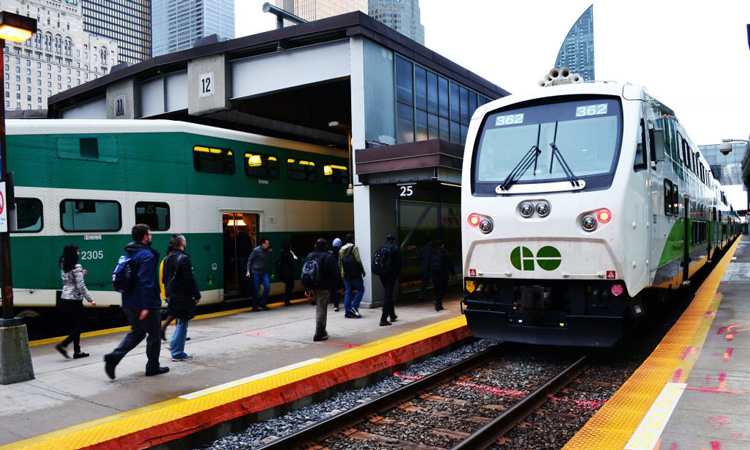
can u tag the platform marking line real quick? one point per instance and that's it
(250, 379)
(648, 432)
(614, 424)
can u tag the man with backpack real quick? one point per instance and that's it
(387, 263)
(318, 275)
(352, 271)
(140, 302)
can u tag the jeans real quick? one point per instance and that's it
(321, 311)
(257, 279)
(139, 329)
(352, 284)
(177, 346)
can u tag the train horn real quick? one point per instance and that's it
(560, 76)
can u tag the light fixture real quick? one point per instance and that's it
(543, 209)
(526, 209)
(16, 28)
(726, 145)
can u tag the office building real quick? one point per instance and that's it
(577, 50)
(319, 9)
(401, 15)
(59, 56)
(128, 22)
(177, 24)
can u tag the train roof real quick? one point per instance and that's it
(120, 126)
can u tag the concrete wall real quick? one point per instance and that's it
(209, 85)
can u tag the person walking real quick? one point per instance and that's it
(389, 273)
(339, 281)
(424, 256)
(322, 289)
(164, 297)
(285, 271)
(183, 294)
(71, 300)
(352, 271)
(141, 305)
(441, 269)
(256, 268)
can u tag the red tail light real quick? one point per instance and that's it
(604, 215)
(474, 219)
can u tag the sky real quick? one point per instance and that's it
(693, 56)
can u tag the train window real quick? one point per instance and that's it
(213, 160)
(90, 148)
(90, 215)
(640, 151)
(668, 206)
(29, 213)
(261, 166)
(153, 214)
(336, 174)
(300, 170)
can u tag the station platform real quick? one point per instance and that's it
(245, 363)
(693, 391)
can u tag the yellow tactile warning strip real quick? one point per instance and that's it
(616, 422)
(178, 417)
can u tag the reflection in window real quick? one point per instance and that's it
(261, 166)
(300, 170)
(336, 174)
(90, 215)
(213, 160)
(153, 214)
(29, 215)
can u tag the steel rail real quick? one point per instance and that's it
(358, 414)
(490, 432)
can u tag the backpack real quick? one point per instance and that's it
(436, 262)
(350, 265)
(311, 273)
(381, 261)
(123, 277)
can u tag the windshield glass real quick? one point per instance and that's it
(585, 132)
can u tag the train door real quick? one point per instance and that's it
(686, 241)
(240, 237)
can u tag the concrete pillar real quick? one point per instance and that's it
(209, 85)
(123, 100)
(15, 356)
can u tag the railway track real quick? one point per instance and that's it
(466, 406)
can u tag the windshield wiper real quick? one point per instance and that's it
(523, 165)
(568, 173)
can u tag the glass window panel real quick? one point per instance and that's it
(153, 214)
(335, 174)
(29, 215)
(464, 132)
(421, 123)
(472, 103)
(455, 109)
(301, 170)
(432, 93)
(445, 129)
(213, 160)
(443, 103)
(404, 123)
(432, 126)
(261, 166)
(404, 81)
(420, 87)
(455, 132)
(90, 215)
(464, 118)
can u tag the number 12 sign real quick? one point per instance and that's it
(206, 85)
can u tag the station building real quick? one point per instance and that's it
(400, 110)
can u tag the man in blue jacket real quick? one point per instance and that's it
(141, 305)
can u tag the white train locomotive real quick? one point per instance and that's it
(581, 201)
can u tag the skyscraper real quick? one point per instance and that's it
(318, 9)
(401, 15)
(177, 24)
(128, 22)
(577, 50)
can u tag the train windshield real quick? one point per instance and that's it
(535, 144)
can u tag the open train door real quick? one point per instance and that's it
(240, 231)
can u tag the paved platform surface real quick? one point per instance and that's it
(226, 348)
(693, 391)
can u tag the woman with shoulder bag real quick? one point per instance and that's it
(71, 300)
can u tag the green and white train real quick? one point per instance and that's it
(89, 182)
(580, 201)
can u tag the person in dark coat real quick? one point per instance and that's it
(424, 256)
(339, 282)
(183, 294)
(256, 268)
(71, 300)
(322, 291)
(141, 305)
(285, 270)
(389, 280)
(441, 269)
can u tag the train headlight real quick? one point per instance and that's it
(526, 209)
(485, 225)
(588, 223)
(542, 208)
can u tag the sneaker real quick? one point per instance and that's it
(183, 357)
(159, 371)
(384, 323)
(350, 316)
(80, 355)
(320, 337)
(336, 309)
(394, 318)
(356, 314)
(62, 351)
(109, 366)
